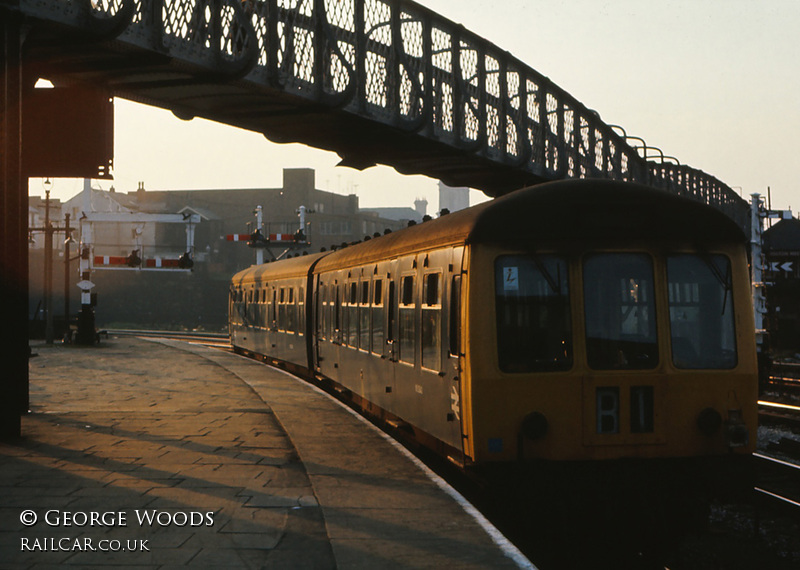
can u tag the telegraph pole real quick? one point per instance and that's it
(48, 271)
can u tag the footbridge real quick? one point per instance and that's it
(376, 81)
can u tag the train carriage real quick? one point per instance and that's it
(572, 321)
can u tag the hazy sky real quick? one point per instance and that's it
(715, 83)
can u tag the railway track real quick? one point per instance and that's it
(778, 413)
(778, 484)
(784, 377)
(215, 340)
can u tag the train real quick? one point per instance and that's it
(571, 322)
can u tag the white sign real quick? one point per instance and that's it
(85, 285)
(778, 266)
(511, 279)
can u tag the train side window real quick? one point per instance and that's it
(391, 319)
(620, 311)
(345, 297)
(337, 314)
(273, 308)
(352, 315)
(406, 324)
(299, 309)
(532, 305)
(377, 316)
(322, 311)
(701, 311)
(455, 315)
(282, 309)
(363, 316)
(291, 311)
(263, 310)
(431, 324)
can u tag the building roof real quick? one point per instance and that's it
(204, 213)
(394, 213)
(783, 236)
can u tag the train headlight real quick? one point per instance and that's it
(709, 421)
(534, 426)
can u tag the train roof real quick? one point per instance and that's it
(589, 209)
(582, 209)
(564, 210)
(286, 268)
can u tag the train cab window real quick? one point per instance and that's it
(406, 321)
(377, 316)
(363, 317)
(534, 328)
(701, 311)
(431, 322)
(620, 311)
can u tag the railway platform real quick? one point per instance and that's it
(164, 454)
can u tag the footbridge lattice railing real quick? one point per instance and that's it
(392, 62)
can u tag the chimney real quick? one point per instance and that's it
(421, 206)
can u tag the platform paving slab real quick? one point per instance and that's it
(278, 474)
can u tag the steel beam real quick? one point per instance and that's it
(13, 235)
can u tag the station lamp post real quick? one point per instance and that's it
(48, 230)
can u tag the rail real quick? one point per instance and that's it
(781, 479)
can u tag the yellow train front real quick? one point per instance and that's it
(576, 321)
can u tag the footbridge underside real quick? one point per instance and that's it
(376, 81)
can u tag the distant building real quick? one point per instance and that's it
(112, 238)
(781, 248)
(453, 199)
(398, 214)
(134, 297)
(421, 207)
(332, 219)
(36, 218)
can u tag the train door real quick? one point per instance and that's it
(318, 314)
(338, 291)
(390, 347)
(454, 356)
